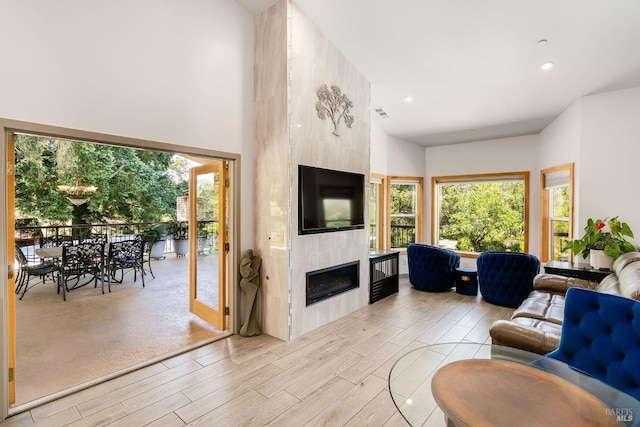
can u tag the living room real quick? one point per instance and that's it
(160, 73)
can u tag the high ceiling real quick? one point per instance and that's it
(473, 67)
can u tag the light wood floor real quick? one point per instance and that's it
(334, 376)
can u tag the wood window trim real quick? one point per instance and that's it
(382, 224)
(435, 180)
(544, 209)
(419, 211)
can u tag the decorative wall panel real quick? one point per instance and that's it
(296, 135)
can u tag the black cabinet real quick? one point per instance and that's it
(577, 270)
(383, 274)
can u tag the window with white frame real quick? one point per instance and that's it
(375, 209)
(405, 211)
(556, 201)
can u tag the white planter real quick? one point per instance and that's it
(599, 260)
(157, 250)
(181, 247)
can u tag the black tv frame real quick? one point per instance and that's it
(357, 219)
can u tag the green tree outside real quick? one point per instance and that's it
(133, 185)
(483, 216)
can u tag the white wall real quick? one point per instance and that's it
(379, 148)
(498, 155)
(560, 141)
(609, 153)
(160, 70)
(601, 134)
(393, 156)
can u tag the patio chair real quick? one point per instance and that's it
(146, 257)
(57, 240)
(125, 255)
(29, 271)
(78, 262)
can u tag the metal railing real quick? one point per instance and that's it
(402, 235)
(31, 237)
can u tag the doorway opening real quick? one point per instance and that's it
(92, 337)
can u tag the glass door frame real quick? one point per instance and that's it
(208, 313)
(234, 173)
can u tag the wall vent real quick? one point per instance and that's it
(381, 113)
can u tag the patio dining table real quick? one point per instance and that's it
(48, 253)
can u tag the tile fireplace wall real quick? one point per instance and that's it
(293, 59)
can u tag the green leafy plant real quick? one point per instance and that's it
(596, 236)
(153, 234)
(178, 229)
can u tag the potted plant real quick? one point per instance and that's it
(180, 232)
(601, 244)
(155, 238)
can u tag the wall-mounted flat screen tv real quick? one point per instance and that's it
(329, 200)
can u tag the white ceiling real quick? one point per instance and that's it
(473, 67)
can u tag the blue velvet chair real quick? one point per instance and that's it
(432, 268)
(506, 278)
(601, 337)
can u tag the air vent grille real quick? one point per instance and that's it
(381, 113)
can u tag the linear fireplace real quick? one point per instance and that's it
(325, 283)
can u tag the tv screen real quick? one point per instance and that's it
(329, 200)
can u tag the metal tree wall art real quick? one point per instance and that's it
(335, 105)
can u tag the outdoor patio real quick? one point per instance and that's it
(62, 344)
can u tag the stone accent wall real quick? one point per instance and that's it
(293, 59)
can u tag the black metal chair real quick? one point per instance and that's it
(56, 240)
(125, 255)
(93, 238)
(146, 250)
(79, 262)
(29, 271)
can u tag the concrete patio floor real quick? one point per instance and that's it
(62, 345)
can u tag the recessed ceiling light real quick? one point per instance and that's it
(546, 66)
(542, 42)
(408, 98)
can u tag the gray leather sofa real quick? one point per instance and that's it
(537, 323)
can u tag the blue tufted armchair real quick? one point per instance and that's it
(506, 278)
(431, 268)
(601, 337)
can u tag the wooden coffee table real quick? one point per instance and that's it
(503, 393)
(472, 384)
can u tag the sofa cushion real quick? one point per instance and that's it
(537, 336)
(560, 284)
(609, 285)
(624, 260)
(629, 279)
(542, 306)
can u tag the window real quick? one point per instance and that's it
(376, 212)
(557, 211)
(479, 213)
(405, 211)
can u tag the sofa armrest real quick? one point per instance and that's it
(532, 335)
(560, 284)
